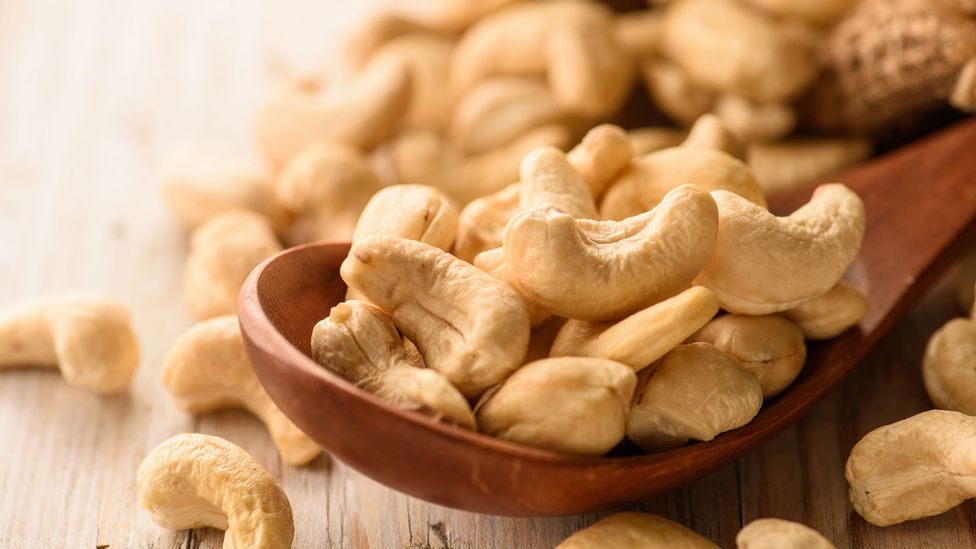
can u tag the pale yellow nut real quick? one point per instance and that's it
(327, 185)
(831, 314)
(915, 468)
(601, 156)
(572, 405)
(500, 110)
(223, 252)
(468, 325)
(493, 262)
(417, 212)
(753, 122)
(631, 530)
(764, 264)
(695, 392)
(674, 93)
(88, 337)
(550, 180)
(773, 533)
(648, 179)
(711, 132)
(424, 157)
(602, 270)
(198, 187)
(794, 162)
(637, 33)
(571, 42)
(947, 366)
(643, 337)
(359, 342)
(770, 347)
(208, 370)
(199, 481)
(653, 138)
(482, 222)
(359, 113)
(716, 43)
(427, 60)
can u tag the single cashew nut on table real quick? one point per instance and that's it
(770, 347)
(773, 533)
(468, 325)
(558, 261)
(642, 337)
(573, 405)
(830, 314)
(947, 368)
(631, 530)
(915, 468)
(763, 264)
(200, 481)
(359, 342)
(208, 370)
(89, 338)
(327, 185)
(695, 392)
(223, 252)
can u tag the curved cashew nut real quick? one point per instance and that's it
(558, 261)
(715, 42)
(550, 180)
(695, 392)
(770, 347)
(89, 338)
(493, 262)
(709, 132)
(604, 152)
(630, 529)
(571, 41)
(915, 468)
(359, 342)
(208, 370)
(805, 253)
(831, 314)
(673, 92)
(327, 185)
(360, 113)
(648, 179)
(468, 325)
(415, 212)
(482, 222)
(573, 405)
(947, 367)
(773, 533)
(642, 337)
(499, 110)
(197, 481)
(424, 157)
(790, 163)
(427, 59)
(223, 252)
(197, 187)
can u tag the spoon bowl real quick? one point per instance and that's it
(921, 203)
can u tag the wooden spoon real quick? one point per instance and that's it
(921, 201)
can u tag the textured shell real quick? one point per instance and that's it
(558, 261)
(948, 366)
(763, 264)
(631, 530)
(193, 481)
(772, 533)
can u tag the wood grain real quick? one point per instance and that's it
(91, 94)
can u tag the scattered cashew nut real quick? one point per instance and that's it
(773, 533)
(630, 530)
(830, 314)
(947, 367)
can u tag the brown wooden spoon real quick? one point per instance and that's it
(921, 203)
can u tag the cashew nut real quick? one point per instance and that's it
(88, 337)
(493, 262)
(468, 325)
(573, 405)
(752, 121)
(630, 530)
(416, 212)
(499, 110)
(695, 392)
(770, 347)
(549, 180)
(369, 34)
(790, 163)
(831, 314)
(637, 33)
(644, 184)
(648, 140)
(557, 260)
(642, 337)
(424, 157)
(773, 533)
(482, 222)
(710, 132)
(570, 41)
(199, 481)
(947, 367)
(197, 187)
(427, 59)
(327, 185)
(208, 370)
(604, 152)
(360, 113)
(359, 342)
(915, 468)
(763, 264)
(674, 93)
(715, 42)
(223, 251)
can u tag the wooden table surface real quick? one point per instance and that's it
(91, 95)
